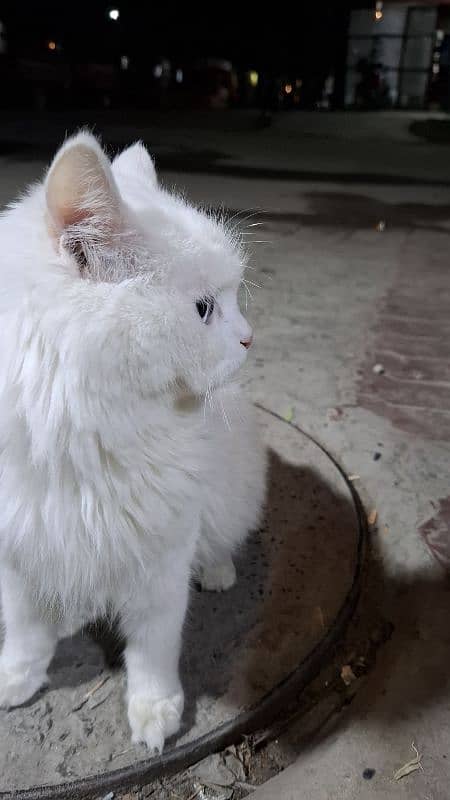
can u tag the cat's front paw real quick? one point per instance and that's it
(153, 720)
(217, 577)
(18, 686)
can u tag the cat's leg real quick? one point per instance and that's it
(152, 623)
(216, 571)
(28, 646)
(234, 491)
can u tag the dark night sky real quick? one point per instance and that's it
(275, 36)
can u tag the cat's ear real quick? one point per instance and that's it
(136, 164)
(84, 209)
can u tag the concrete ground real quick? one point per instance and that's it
(354, 272)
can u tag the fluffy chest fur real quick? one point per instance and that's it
(86, 516)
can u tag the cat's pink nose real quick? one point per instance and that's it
(247, 342)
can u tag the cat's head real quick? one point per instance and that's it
(173, 271)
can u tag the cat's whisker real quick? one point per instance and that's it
(247, 291)
(236, 408)
(239, 224)
(252, 283)
(224, 414)
(209, 395)
(238, 214)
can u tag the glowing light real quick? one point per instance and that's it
(378, 11)
(436, 69)
(439, 35)
(179, 76)
(288, 88)
(158, 70)
(124, 62)
(51, 45)
(253, 78)
(114, 14)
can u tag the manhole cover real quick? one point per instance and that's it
(244, 650)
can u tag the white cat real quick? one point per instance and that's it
(120, 337)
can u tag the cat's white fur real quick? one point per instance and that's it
(128, 459)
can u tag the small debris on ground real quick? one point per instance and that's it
(319, 618)
(121, 753)
(347, 675)
(410, 766)
(89, 694)
(109, 796)
(372, 516)
(376, 456)
(368, 774)
(378, 369)
(335, 413)
(381, 225)
(211, 792)
(234, 764)
(212, 771)
(288, 416)
(101, 701)
(354, 477)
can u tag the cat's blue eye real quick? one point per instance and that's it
(205, 308)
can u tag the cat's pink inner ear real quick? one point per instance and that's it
(80, 191)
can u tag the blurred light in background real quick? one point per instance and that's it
(51, 45)
(157, 70)
(179, 76)
(253, 78)
(124, 62)
(378, 11)
(288, 88)
(114, 14)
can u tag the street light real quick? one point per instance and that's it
(114, 14)
(378, 11)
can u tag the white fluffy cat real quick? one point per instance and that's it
(120, 337)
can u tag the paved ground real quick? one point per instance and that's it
(338, 296)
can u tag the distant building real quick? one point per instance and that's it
(398, 55)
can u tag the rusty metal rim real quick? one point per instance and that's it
(257, 717)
